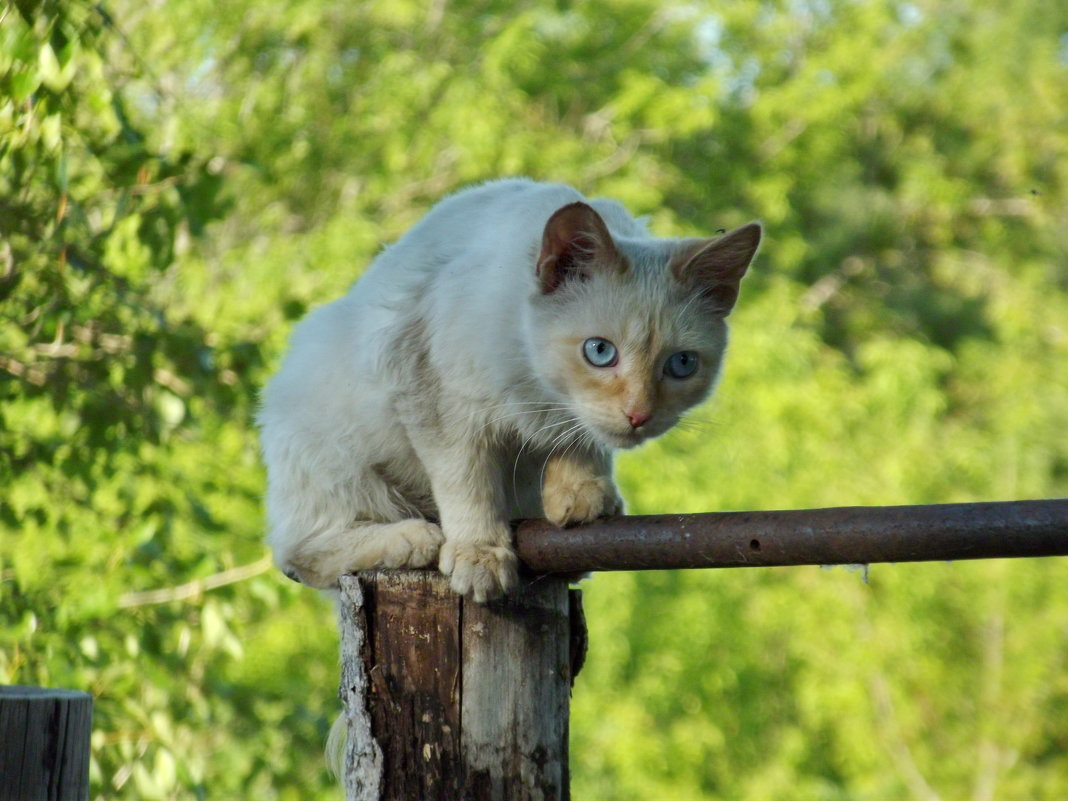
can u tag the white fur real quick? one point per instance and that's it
(445, 382)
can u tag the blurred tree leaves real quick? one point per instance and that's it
(181, 181)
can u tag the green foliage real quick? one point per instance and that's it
(173, 196)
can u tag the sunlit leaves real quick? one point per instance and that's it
(173, 195)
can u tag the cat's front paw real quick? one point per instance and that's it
(482, 571)
(580, 502)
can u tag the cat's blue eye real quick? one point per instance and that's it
(682, 364)
(599, 352)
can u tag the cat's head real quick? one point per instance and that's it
(630, 332)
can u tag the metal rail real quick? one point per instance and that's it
(845, 535)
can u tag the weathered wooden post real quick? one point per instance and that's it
(44, 743)
(447, 699)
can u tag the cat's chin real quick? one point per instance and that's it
(623, 440)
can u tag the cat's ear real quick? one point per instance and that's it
(575, 244)
(715, 268)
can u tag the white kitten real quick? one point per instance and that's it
(483, 370)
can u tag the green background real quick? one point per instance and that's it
(180, 181)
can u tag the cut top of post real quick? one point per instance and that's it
(23, 691)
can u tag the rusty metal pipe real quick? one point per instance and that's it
(845, 535)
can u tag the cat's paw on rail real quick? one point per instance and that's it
(580, 502)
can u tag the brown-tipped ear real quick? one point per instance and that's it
(575, 244)
(717, 266)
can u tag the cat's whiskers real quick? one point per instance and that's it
(692, 421)
(533, 435)
(575, 442)
(557, 440)
(690, 425)
(520, 413)
(556, 443)
(526, 441)
(513, 404)
(517, 403)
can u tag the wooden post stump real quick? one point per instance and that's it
(44, 743)
(446, 699)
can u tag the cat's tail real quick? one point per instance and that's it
(335, 747)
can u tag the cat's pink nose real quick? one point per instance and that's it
(638, 418)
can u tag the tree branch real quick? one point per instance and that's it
(197, 587)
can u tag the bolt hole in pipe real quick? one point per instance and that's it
(754, 545)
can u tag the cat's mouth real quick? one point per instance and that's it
(628, 438)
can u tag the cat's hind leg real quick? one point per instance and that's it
(332, 510)
(318, 560)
